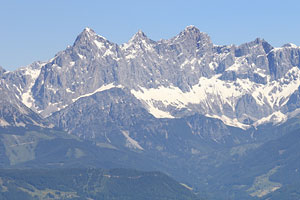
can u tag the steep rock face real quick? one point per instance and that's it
(250, 61)
(115, 117)
(98, 115)
(282, 59)
(208, 128)
(293, 102)
(168, 101)
(13, 112)
(178, 77)
(21, 81)
(80, 69)
(244, 113)
(93, 62)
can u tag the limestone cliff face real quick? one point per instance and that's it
(173, 78)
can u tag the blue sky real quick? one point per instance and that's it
(36, 30)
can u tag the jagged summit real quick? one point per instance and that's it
(191, 30)
(88, 35)
(193, 34)
(140, 35)
(114, 96)
(138, 40)
(258, 40)
(87, 32)
(91, 33)
(191, 27)
(87, 29)
(182, 66)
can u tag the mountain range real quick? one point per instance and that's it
(197, 111)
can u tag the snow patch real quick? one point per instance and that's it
(109, 53)
(101, 89)
(81, 56)
(20, 124)
(100, 45)
(276, 93)
(72, 63)
(188, 62)
(212, 92)
(157, 112)
(4, 123)
(130, 56)
(276, 118)
(260, 72)
(131, 143)
(230, 122)
(213, 65)
(69, 90)
(239, 62)
(27, 97)
(199, 93)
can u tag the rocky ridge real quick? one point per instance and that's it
(181, 76)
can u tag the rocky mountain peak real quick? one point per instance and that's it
(88, 32)
(139, 36)
(256, 47)
(139, 41)
(191, 28)
(192, 41)
(182, 66)
(193, 33)
(86, 36)
(266, 46)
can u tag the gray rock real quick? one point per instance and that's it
(93, 62)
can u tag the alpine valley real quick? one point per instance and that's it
(224, 121)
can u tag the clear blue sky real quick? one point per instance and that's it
(34, 30)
